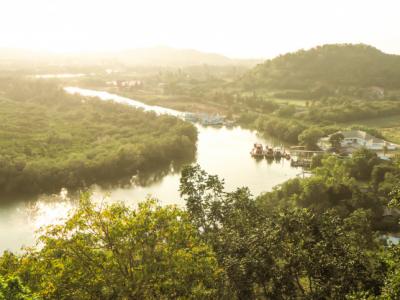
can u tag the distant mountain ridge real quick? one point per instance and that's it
(332, 65)
(172, 57)
(154, 56)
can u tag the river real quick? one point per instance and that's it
(220, 150)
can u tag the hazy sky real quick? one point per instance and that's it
(248, 28)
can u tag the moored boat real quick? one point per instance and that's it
(190, 117)
(257, 151)
(269, 153)
(212, 120)
(277, 153)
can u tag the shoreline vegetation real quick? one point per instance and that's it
(318, 237)
(274, 118)
(311, 238)
(320, 87)
(50, 139)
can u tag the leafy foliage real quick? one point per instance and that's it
(310, 137)
(11, 288)
(347, 109)
(311, 238)
(115, 252)
(346, 185)
(281, 253)
(327, 67)
(49, 139)
(336, 140)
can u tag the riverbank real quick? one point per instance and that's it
(176, 102)
(219, 149)
(63, 140)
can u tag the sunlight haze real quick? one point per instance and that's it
(208, 149)
(233, 28)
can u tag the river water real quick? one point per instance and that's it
(222, 151)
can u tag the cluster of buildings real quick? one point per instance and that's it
(355, 139)
(125, 83)
(205, 119)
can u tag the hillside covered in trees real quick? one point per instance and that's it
(50, 139)
(328, 66)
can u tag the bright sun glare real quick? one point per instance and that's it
(236, 28)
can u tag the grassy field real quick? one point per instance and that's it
(383, 122)
(392, 134)
(177, 102)
(389, 126)
(269, 95)
(296, 102)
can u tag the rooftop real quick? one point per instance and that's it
(361, 135)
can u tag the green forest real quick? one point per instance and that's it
(50, 139)
(199, 150)
(312, 238)
(328, 66)
(338, 85)
(318, 237)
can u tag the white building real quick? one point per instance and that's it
(354, 139)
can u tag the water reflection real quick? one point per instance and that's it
(146, 178)
(20, 220)
(123, 100)
(221, 151)
(64, 75)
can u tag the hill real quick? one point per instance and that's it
(153, 56)
(166, 56)
(330, 66)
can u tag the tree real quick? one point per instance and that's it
(385, 149)
(362, 163)
(286, 110)
(395, 195)
(11, 288)
(310, 137)
(119, 253)
(391, 290)
(336, 140)
(281, 253)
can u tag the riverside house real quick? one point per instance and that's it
(355, 139)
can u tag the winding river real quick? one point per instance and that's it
(222, 151)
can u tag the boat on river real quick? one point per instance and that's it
(277, 153)
(269, 153)
(205, 119)
(211, 120)
(281, 153)
(229, 123)
(162, 183)
(257, 151)
(190, 117)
